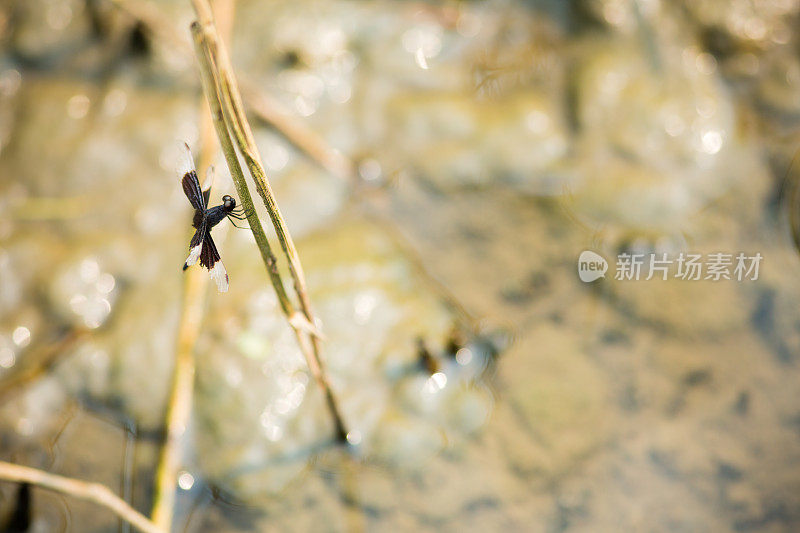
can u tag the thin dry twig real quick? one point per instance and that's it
(238, 179)
(180, 402)
(216, 67)
(92, 492)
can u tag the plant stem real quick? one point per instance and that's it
(180, 401)
(209, 88)
(92, 492)
(225, 98)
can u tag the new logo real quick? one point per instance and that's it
(591, 266)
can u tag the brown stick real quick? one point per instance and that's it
(91, 492)
(270, 261)
(214, 59)
(180, 401)
(209, 88)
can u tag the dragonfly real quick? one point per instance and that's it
(202, 246)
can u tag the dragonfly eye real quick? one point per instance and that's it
(228, 202)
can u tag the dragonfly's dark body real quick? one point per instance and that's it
(212, 215)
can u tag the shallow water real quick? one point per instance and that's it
(493, 143)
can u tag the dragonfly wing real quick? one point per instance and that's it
(189, 181)
(196, 245)
(209, 258)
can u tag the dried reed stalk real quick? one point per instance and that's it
(232, 126)
(82, 490)
(179, 406)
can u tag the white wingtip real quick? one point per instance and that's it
(220, 275)
(185, 161)
(209, 182)
(194, 253)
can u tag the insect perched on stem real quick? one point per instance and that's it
(202, 245)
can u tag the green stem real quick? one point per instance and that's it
(207, 68)
(227, 104)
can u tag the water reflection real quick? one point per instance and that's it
(497, 140)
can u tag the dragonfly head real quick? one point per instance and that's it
(228, 203)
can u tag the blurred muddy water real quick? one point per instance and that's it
(494, 142)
